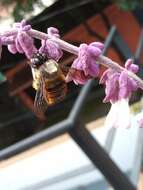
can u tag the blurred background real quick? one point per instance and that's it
(82, 21)
(78, 21)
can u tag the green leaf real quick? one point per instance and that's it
(2, 78)
(127, 4)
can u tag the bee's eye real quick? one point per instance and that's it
(42, 57)
(38, 59)
(36, 62)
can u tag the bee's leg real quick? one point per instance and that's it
(65, 69)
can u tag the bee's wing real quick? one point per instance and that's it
(39, 102)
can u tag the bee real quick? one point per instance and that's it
(48, 81)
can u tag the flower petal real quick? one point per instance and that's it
(132, 84)
(98, 45)
(27, 44)
(134, 68)
(124, 116)
(119, 115)
(77, 76)
(128, 63)
(112, 88)
(94, 51)
(111, 118)
(124, 90)
(51, 49)
(105, 76)
(131, 67)
(93, 69)
(12, 48)
(52, 31)
(18, 46)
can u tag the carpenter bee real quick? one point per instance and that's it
(48, 81)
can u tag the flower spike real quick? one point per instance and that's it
(119, 81)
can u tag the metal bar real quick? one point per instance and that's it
(122, 46)
(100, 158)
(108, 26)
(19, 118)
(80, 101)
(109, 38)
(42, 136)
(139, 47)
(138, 53)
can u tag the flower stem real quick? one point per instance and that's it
(103, 60)
(112, 64)
(64, 45)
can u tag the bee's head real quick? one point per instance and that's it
(38, 59)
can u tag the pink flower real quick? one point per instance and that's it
(23, 43)
(111, 80)
(119, 85)
(0, 47)
(77, 76)
(118, 89)
(140, 122)
(50, 48)
(119, 115)
(85, 64)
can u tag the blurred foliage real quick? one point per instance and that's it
(128, 4)
(21, 7)
(136, 107)
(24, 7)
(2, 78)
